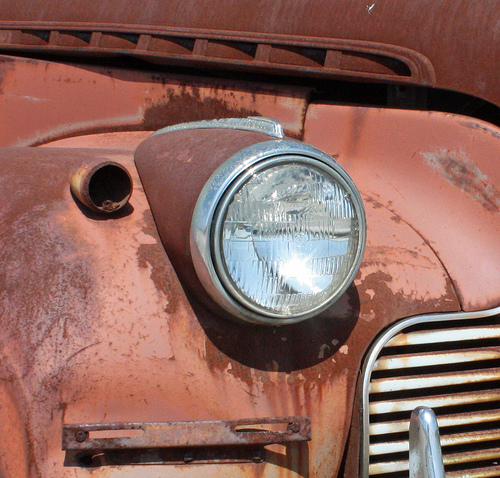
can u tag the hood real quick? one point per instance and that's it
(449, 44)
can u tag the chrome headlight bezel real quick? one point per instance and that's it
(209, 213)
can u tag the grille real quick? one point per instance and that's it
(450, 364)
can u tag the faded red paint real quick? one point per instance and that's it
(434, 171)
(99, 327)
(106, 99)
(459, 170)
(120, 341)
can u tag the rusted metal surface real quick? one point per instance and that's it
(13, 434)
(103, 186)
(120, 140)
(302, 56)
(34, 108)
(240, 432)
(459, 42)
(435, 171)
(394, 263)
(109, 335)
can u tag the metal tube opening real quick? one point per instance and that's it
(103, 186)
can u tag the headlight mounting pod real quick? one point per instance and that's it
(259, 228)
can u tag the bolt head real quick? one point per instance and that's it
(295, 427)
(81, 436)
(188, 457)
(257, 456)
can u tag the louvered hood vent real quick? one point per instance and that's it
(450, 364)
(272, 53)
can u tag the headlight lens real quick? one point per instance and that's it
(286, 234)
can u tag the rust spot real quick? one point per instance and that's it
(161, 271)
(189, 106)
(374, 203)
(388, 298)
(480, 127)
(460, 171)
(5, 66)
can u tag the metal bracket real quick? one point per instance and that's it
(257, 124)
(224, 441)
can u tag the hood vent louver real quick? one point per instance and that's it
(269, 53)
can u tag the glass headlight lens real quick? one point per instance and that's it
(286, 238)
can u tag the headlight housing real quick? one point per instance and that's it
(277, 233)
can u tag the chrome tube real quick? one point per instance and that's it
(426, 460)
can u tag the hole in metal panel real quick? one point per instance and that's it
(109, 185)
(74, 39)
(262, 427)
(118, 40)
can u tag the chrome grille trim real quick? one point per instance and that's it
(451, 362)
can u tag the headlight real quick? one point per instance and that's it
(277, 233)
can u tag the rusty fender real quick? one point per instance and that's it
(96, 326)
(437, 172)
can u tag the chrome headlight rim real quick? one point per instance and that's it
(209, 213)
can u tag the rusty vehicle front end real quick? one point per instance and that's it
(131, 346)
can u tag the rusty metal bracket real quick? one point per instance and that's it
(250, 432)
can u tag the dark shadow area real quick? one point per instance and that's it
(288, 347)
(165, 456)
(125, 211)
(295, 458)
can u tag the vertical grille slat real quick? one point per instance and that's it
(450, 364)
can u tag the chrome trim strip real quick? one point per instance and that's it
(375, 350)
(257, 124)
(426, 460)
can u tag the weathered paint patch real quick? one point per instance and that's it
(481, 127)
(187, 106)
(460, 171)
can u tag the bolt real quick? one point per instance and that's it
(81, 436)
(257, 456)
(188, 457)
(295, 427)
